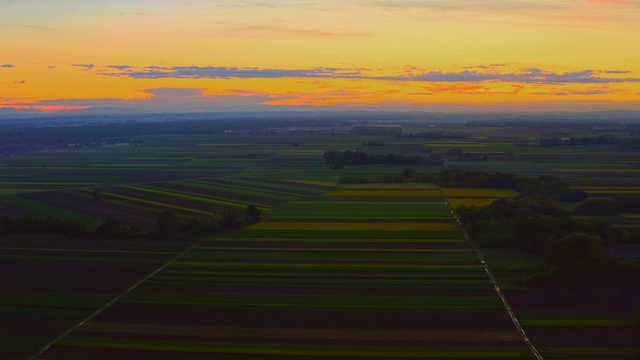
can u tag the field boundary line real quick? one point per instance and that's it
(496, 287)
(111, 302)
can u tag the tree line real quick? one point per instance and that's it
(626, 143)
(340, 159)
(573, 249)
(167, 226)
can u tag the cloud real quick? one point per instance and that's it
(86, 66)
(279, 30)
(475, 74)
(214, 72)
(576, 92)
(174, 92)
(173, 100)
(198, 100)
(16, 26)
(7, 66)
(457, 88)
(615, 71)
(18, 82)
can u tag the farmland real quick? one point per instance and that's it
(344, 265)
(359, 286)
(50, 284)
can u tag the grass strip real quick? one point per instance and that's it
(336, 257)
(52, 299)
(295, 350)
(91, 251)
(312, 282)
(576, 322)
(602, 353)
(26, 344)
(356, 226)
(82, 259)
(307, 301)
(221, 248)
(186, 195)
(423, 276)
(54, 312)
(243, 190)
(317, 266)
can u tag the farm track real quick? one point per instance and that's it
(108, 304)
(498, 291)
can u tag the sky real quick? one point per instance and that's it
(264, 55)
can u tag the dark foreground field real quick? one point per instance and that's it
(49, 285)
(278, 290)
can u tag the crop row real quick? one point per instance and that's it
(138, 205)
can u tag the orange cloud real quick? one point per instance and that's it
(457, 88)
(56, 108)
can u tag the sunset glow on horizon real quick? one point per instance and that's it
(241, 55)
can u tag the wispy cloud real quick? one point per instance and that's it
(600, 90)
(279, 29)
(573, 92)
(120, 67)
(476, 74)
(215, 72)
(7, 65)
(172, 99)
(19, 26)
(86, 66)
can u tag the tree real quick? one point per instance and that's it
(230, 220)
(110, 227)
(252, 214)
(167, 223)
(97, 194)
(596, 207)
(579, 260)
(409, 173)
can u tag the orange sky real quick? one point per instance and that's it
(197, 55)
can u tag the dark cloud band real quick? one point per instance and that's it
(479, 74)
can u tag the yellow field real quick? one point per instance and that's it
(389, 186)
(396, 192)
(309, 182)
(478, 193)
(455, 202)
(370, 226)
(604, 191)
(631, 216)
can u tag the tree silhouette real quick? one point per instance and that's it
(167, 223)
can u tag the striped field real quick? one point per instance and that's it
(360, 287)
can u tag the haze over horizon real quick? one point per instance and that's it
(244, 55)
